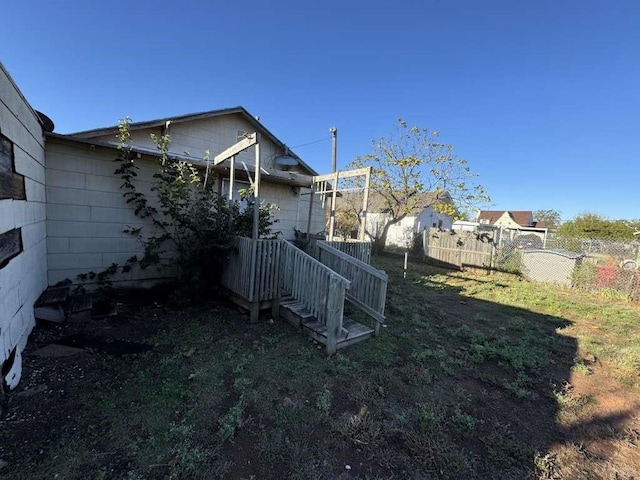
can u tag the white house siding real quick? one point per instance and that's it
(402, 233)
(292, 210)
(23, 279)
(216, 134)
(195, 137)
(86, 213)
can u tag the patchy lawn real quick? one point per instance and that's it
(473, 377)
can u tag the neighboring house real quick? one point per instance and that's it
(465, 225)
(62, 212)
(506, 218)
(516, 226)
(403, 233)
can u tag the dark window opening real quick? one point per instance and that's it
(11, 183)
(10, 246)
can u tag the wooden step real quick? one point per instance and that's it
(80, 303)
(352, 331)
(297, 308)
(52, 296)
(53, 313)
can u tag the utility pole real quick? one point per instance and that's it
(334, 148)
(334, 169)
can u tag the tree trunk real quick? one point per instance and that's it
(377, 245)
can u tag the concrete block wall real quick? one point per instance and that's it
(292, 209)
(87, 214)
(24, 278)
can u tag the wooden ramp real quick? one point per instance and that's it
(297, 315)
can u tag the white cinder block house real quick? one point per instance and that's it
(62, 212)
(85, 208)
(23, 253)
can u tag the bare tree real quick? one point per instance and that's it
(406, 166)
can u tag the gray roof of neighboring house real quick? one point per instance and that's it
(97, 132)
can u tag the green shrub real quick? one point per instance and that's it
(193, 226)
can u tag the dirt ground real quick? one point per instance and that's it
(407, 406)
(57, 380)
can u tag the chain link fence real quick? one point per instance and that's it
(608, 267)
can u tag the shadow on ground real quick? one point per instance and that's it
(455, 387)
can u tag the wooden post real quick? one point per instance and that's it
(313, 187)
(334, 193)
(255, 306)
(334, 314)
(365, 205)
(232, 178)
(277, 265)
(256, 190)
(381, 302)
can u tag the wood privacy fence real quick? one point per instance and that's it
(459, 248)
(359, 250)
(368, 289)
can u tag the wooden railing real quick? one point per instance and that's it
(318, 288)
(359, 250)
(253, 269)
(368, 289)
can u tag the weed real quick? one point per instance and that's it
(546, 466)
(430, 417)
(186, 460)
(429, 353)
(438, 456)
(242, 384)
(323, 401)
(229, 423)
(363, 429)
(580, 368)
(464, 421)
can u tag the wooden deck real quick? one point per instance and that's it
(263, 273)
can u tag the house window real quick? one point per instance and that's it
(237, 188)
(11, 183)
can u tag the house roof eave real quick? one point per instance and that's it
(87, 134)
(286, 178)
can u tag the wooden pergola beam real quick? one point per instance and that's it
(235, 149)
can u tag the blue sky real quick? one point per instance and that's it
(542, 98)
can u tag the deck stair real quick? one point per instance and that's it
(56, 304)
(351, 331)
(308, 292)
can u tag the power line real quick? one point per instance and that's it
(311, 143)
